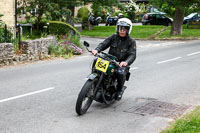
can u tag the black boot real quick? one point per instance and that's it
(120, 93)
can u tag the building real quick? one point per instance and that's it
(7, 8)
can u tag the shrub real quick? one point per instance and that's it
(61, 28)
(130, 10)
(0, 18)
(2, 32)
(65, 48)
(83, 14)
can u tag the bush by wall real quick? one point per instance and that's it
(2, 32)
(61, 28)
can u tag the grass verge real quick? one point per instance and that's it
(144, 32)
(138, 32)
(187, 33)
(189, 123)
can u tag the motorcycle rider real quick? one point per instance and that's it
(123, 47)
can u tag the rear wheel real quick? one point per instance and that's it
(85, 97)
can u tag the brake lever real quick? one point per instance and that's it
(89, 50)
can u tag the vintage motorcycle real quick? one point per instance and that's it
(112, 20)
(93, 20)
(101, 85)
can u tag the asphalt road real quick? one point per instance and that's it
(40, 97)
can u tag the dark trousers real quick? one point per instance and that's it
(122, 74)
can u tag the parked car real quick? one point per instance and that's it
(191, 17)
(156, 19)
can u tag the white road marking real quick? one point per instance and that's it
(27, 94)
(151, 45)
(198, 52)
(134, 68)
(160, 62)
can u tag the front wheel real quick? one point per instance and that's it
(84, 98)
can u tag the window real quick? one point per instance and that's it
(158, 16)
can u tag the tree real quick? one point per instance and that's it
(180, 7)
(99, 5)
(130, 10)
(49, 9)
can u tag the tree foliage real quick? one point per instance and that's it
(130, 10)
(99, 6)
(36, 10)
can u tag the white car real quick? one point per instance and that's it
(192, 16)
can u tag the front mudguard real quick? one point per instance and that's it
(92, 76)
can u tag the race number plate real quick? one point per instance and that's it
(101, 65)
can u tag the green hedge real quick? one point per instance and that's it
(2, 35)
(61, 28)
(2, 32)
(83, 14)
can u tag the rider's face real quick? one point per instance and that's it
(122, 31)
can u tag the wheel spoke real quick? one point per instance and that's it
(85, 97)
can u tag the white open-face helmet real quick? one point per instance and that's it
(124, 22)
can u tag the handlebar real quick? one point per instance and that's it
(108, 57)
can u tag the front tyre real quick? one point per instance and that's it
(84, 98)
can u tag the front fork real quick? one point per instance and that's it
(92, 77)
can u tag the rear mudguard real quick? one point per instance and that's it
(92, 76)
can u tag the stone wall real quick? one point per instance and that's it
(6, 53)
(32, 50)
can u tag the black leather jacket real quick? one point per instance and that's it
(123, 48)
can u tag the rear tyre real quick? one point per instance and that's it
(84, 98)
(148, 23)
